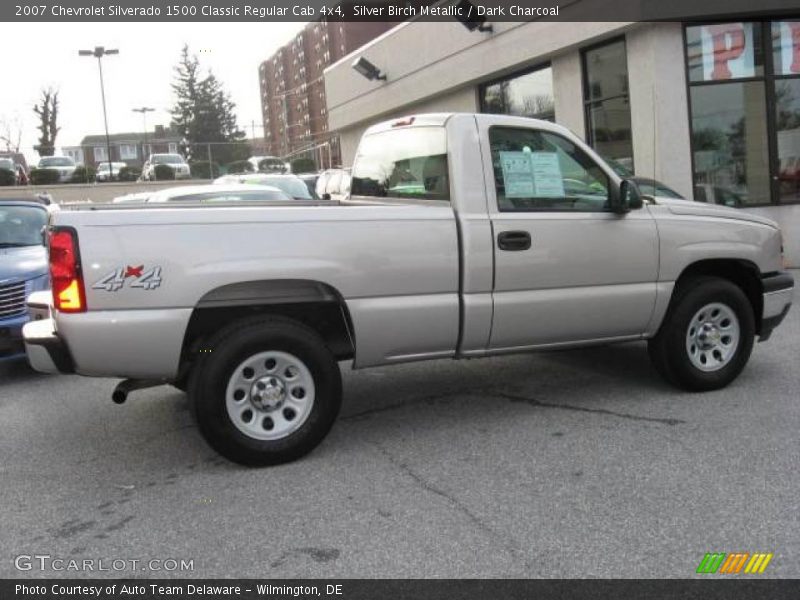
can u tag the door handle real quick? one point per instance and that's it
(514, 240)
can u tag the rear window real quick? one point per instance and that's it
(402, 163)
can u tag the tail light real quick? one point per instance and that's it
(65, 271)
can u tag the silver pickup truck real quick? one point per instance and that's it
(465, 236)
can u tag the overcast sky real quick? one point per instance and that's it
(37, 55)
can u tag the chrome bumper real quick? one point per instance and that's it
(778, 295)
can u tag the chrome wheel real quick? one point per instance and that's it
(270, 395)
(712, 337)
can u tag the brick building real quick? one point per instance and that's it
(292, 87)
(129, 148)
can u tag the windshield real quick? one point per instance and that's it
(56, 161)
(21, 226)
(6, 164)
(651, 187)
(167, 159)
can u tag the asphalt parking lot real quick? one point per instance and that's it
(571, 464)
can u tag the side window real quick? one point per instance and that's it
(402, 163)
(537, 170)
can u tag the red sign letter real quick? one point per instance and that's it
(794, 28)
(724, 52)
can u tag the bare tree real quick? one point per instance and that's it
(11, 134)
(47, 112)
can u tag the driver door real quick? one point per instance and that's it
(567, 269)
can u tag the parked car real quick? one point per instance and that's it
(291, 184)
(175, 161)
(63, 164)
(268, 164)
(334, 184)
(12, 177)
(23, 268)
(310, 179)
(134, 197)
(234, 192)
(252, 308)
(106, 173)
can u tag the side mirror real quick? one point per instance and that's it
(627, 197)
(326, 196)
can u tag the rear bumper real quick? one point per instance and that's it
(46, 351)
(778, 294)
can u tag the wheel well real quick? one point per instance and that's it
(314, 304)
(741, 273)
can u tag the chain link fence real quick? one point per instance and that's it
(156, 161)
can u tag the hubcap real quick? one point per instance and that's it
(270, 395)
(712, 337)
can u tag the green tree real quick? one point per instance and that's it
(204, 114)
(47, 112)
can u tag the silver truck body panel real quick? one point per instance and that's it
(419, 279)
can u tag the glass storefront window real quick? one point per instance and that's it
(526, 95)
(787, 117)
(607, 101)
(724, 51)
(729, 140)
(786, 47)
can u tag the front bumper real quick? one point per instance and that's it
(778, 294)
(11, 347)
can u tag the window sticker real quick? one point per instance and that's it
(547, 177)
(517, 174)
(532, 175)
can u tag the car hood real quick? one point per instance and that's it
(701, 209)
(23, 263)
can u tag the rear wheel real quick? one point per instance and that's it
(267, 393)
(707, 335)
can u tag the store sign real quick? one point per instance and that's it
(727, 51)
(787, 42)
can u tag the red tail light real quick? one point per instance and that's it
(65, 272)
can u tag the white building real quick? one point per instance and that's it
(712, 110)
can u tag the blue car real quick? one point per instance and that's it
(23, 269)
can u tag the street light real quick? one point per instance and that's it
(98, 53)
(144, 110)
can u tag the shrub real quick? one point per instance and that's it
(44, 176)
(303, 165)
(202, 169)
(164, 173)
(240, 166)
(83, 174)
(129, 174)
(7, 177)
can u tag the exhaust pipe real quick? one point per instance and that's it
(126, 386)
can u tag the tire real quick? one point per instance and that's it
(706, 337)
(282, 374)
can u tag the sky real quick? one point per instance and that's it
(38, 55)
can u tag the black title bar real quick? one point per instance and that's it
(389, 11)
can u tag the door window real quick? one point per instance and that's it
(541, 171)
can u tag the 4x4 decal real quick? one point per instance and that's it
(136, 277)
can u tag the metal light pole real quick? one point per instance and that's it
(144, 110)
(98, 53)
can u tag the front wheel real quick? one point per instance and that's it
(267, 393)
(706, 337)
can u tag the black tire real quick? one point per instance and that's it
(668, 350)
(234, 344)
